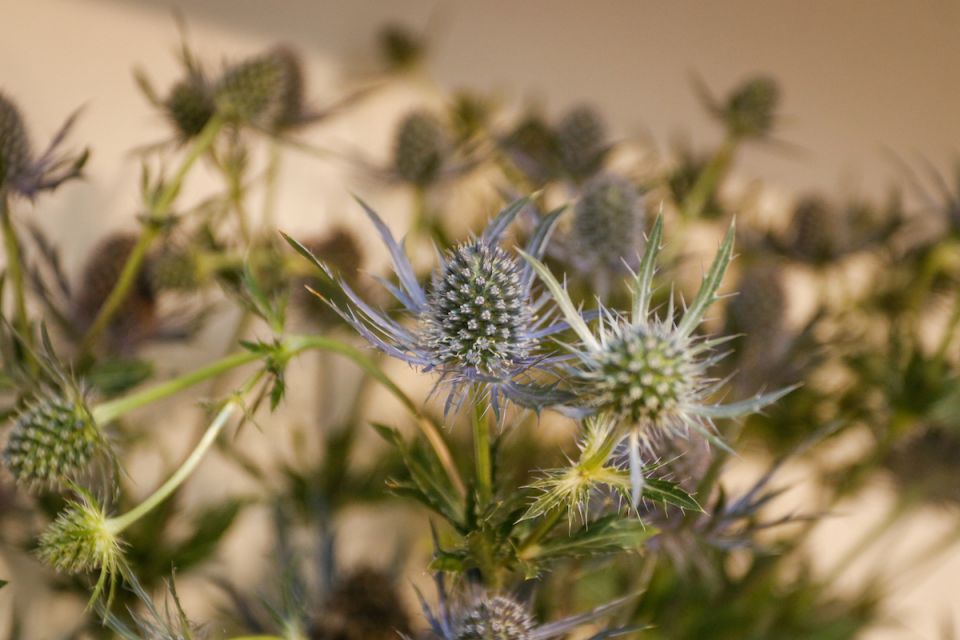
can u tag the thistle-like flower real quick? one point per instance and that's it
(82, 540)
(54, 441)
(581, 138)
(421, 148)
(532, 146)
(266, 91)
(649, 373)
(751, 109)
(476, 324)
(190, 105)
(607, 230)
(20, 171)
(485, 616)
(818, 232)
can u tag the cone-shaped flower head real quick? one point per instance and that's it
(82, 540)
(483, 616)
(651, 373)
(14, 143)
(190, 105)
(607, 231)
(751, 109)
(581, 138)
(53, 441)
(266, 91)
(817, 231)
(420, 149)
(476, 324)
(20, 171)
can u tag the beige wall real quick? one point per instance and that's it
(859, 76)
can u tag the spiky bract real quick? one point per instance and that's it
(53, 441)
(420, 148)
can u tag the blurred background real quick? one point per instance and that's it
(860, 79)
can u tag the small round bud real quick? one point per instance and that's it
(420, 149)
(532, 146)
(751, 108)
(817, 232)
(175, 269)
(265, 91)
(477, 313)
(497, 618)
(80, 540)
(581, 142)
(400, 48)
(52, 442)
(190, 106)
(137, 316)
(15, 154)
(608, 224)
(641, 375)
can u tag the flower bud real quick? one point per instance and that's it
(420, 149)
(15, 154)
(52, 442)
(190, 106)
(265, 91)
(581, 142)
(751, 108)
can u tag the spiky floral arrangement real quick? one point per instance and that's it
(571, 307)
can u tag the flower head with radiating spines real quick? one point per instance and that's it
(23, 173)
(479, 615)
(476, 324)
(650, 373)
(82, 540)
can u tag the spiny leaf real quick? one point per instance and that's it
(708, 288)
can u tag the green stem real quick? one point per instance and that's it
(709, 179)
(527, 548)
(481, 449)
(113, 409)
(118, 524)
(159, 210)
(15, 269)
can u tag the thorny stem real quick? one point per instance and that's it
(159, 210)
(118, 524)
(15, 268)
(481, 450)
(527, 547)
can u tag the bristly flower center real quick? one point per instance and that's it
(498, 618)
(642, 375)
(477, 314)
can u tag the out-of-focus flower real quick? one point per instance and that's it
(581, 139)
(20, 171)
(421, 149)
(266, 91)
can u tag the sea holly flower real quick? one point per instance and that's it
(21, 171)
(486, 616)
(476, 324)
(650, 373)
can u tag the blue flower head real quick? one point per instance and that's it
(476, 324)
